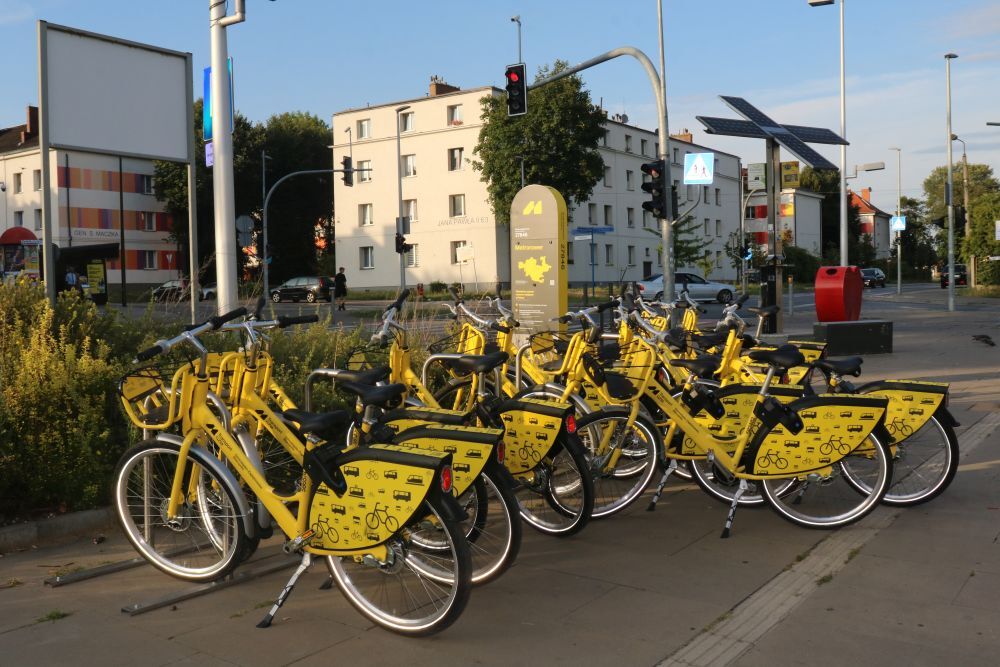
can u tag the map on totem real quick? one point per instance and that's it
(535, 269)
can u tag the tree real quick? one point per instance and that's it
(689, 244)
(557, 138)
(981, 241)
(860, 249)
(918, 239)
(981, 182)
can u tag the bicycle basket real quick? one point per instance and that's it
(366, 357)
(548, 349)
(447, 344)
(151, 394)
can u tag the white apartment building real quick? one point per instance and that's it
(86, 201)
(799, 219)
(448, 205)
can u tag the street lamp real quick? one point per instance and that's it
(843, 133)
(965, 184)
(868, 166)
(517, 20)
(743, 235)
(948, 57)
(899, 212)
(399, 191)
(264, 157)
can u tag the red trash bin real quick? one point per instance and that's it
(838, 293)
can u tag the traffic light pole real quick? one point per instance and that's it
(267, 255)
(660, 94)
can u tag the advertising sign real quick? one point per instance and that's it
(790, 174)
(699, 168)
(756, 176)
(538, 227)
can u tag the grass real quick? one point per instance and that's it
(825, 579)
(13, 582)
(854, 552)
(52, 616)
(988, 291)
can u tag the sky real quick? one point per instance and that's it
(323, 56)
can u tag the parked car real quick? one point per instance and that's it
(304, 289)
(209, 292)
(698, 288)
(961, 278)
(172, 290)
(873, 277)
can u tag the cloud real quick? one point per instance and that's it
(979, 22)
(16, 13)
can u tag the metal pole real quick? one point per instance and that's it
(399, 192)
(48, 256)
(668, 223)
(192, 197)
(742, 243)
(121, 230)
(222, 144)
(971, 268)
(843, 147)
(746, 202)
(950, 190)
(517, 20)
(522, 171)
(899, 212)
(263, 199)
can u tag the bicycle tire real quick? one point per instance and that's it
(923, 466)
(616, 489)
(206, 540)
(559, 498)
(493, 528)
(835, 500)
(402, 597)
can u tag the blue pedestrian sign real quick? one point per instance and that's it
(699, 168)
(897, 223)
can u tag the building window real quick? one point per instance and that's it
(410, 209)
(364, 171)
(630, 216)
(645, 219)
(456, 206)
(148, 221)
(643, 146)
(629, 179)
(38, 218)
(592, 213)
(18, 217)
(455, 245)
(659, 258)
(631, 255)
(707, 230)
(412, 258)
(455, 159)
(409, 165)
(718, 227)
(704, 189)
(718, 197)
(647, 252)
(365, 128)
(146, 184)
(676, 156)
(718, 259)
(147, 259)
(366, 215)
(609, 216)
(593, 254)
(628, 143)
(569, 252)
(604, 138)
(367, 257)
(609, 254)
(406, 122)
(455, 114)
(17, 183)
(36, 177)
(607, 176)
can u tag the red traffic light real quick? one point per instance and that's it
(514, 78)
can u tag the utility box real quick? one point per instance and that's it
(861, 337)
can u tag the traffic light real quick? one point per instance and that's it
(655, 186)
(348, 164)
(402, 247)
(960, 219)
(746, 253)
(517, 90)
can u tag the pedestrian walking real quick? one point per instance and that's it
(340, 289)
(71, 278)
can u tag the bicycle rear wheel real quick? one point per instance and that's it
(493, 528)
(836, 499)
(419, 590)
(923, 465)
(556, 497)
(618, 486)
(206, 538)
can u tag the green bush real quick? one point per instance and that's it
(804, 264)
(438, 286)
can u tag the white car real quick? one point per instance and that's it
(698, 288)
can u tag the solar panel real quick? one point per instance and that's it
(749, 111)
(803, 152)
(731, 127)
(815, 135)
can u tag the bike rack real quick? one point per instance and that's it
(331, 373)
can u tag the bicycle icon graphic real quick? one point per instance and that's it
(765, 461)
(371, 474)
(380, 516)
(325, 532)
(835, 442)
(899, 427)
(529, 454)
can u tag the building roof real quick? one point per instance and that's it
(463, 91)
(865, 206)
(10, 139)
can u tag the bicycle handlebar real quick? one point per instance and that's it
(454, 294)
(151, 352)
(398, 303)
(287, 321)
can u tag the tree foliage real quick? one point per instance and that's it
(981, 183)
(860, 247)
(557, 138)
(981, 242)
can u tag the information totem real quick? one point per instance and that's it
(538, 229)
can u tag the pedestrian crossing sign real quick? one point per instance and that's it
(699, 168)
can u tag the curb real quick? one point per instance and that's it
(25, 535)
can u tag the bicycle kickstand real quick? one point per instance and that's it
(286, 591)
(732, 508)
(671, 467)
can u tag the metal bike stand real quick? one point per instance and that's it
(107, 568)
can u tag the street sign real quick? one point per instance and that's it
(699, 168)
(593, 230)
(209, 154)
(994, 258)
(897, 223)
(996, 231)
(756, 176)
(581, 238)
(206, 107)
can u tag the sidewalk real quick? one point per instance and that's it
(918, 586)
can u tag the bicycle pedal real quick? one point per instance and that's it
(293, 545)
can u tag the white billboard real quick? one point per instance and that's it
(113, 96)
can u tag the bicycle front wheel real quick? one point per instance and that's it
(493, 527)
(853, 488)
(205, 539)
(417, 591)
(605, 435)
(556, 497)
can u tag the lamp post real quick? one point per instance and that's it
(264, 157)
(843, 133)
(399, 192)
(948, 57)
(517, 20)
(899, 212)
(965, 206)
(743, 236)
